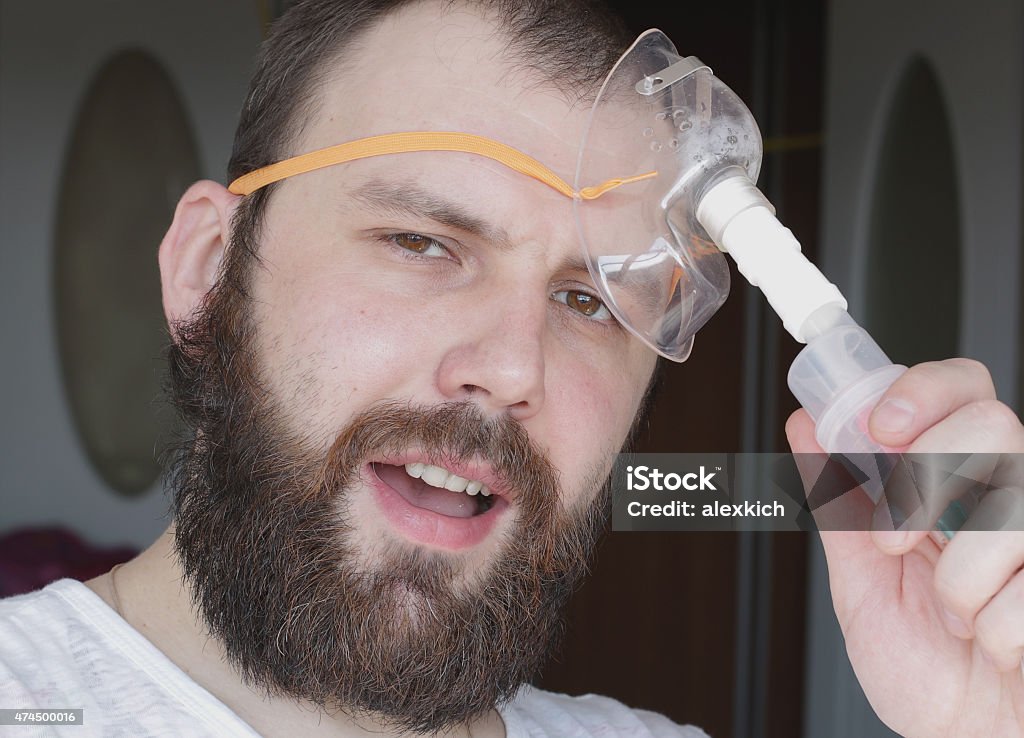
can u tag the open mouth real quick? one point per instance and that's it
(437, 489)
(435, 506)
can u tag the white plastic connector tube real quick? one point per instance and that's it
(742, 222)
(841, 373)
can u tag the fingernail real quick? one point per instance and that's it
(893, 416)
(955, 625)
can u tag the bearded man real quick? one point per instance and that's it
(404, 398)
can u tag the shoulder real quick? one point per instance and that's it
(63, 645)
(33, 639)
(63, 642)
(49, 626)
(25, 618)
(535, 713)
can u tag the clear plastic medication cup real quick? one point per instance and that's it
(838, 378)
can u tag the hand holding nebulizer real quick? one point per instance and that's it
(655, 248)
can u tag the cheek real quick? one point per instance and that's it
(336, 344)
(593, 414)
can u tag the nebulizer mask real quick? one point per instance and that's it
(655, 249)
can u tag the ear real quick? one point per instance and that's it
(191, 252)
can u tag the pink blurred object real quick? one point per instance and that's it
(32, 558)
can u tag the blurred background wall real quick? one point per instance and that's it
(893, 150)
(69, 455)
(922, 195)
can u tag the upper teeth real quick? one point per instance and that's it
(436, 476)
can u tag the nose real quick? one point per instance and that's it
(498, 357)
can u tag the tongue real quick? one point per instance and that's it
(420, 494)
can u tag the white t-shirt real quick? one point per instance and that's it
(63, 647)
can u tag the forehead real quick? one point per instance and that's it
(431, 68)
(435, 68)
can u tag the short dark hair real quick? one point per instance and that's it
(572, 41)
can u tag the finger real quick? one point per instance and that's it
(924, 395)
(919, 491)
(974, 566)
(1000, 625)
(996, 510)
(950, 470)
(980, 427)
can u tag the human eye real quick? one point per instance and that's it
(415, 245)
(584, 303)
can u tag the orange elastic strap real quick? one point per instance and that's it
(677, 275)
(401, 143)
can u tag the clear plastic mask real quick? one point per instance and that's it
(656, 267)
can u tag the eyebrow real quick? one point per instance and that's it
(405, 200)
(410, 200)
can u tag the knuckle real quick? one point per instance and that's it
(939, 375)
(1004, 510)
(973, 367)
(996, 416)
(992, 633)
(926, 375)
(979, 375)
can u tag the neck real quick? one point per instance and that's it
(150, 593)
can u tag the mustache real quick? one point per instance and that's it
(448, 433)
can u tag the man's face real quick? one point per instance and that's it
(437, 277)
(425, 308)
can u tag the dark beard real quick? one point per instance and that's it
(263, 534)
